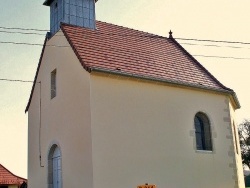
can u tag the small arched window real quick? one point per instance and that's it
(202, 132)
(55, 168)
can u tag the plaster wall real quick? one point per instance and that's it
(12, 186)
(65, 119)
(143, 132)
(235, 148)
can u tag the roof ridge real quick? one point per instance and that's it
(132, 29)
(119, 26)
(209, 74)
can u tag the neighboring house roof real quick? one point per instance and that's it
(8, 178)
(120, 50)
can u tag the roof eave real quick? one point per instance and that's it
(198, 63)
(236, 100)
(232, 93)
(36, 75)
(172, 82)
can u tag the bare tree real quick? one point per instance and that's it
(244, 136)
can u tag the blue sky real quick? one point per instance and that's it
(198, 19)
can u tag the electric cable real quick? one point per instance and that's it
(113, 34)
(11, 80)
(24, 29)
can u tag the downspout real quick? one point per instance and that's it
(40, 123)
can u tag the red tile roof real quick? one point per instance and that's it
(7, 178)
(119, 50)
(123, 50)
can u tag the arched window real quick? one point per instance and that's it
(202, 132)
(55, 168)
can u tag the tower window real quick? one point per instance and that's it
(55, 5)
(53, 84)
(202, 132)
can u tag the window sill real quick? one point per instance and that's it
(204, 151)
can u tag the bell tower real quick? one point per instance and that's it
(74, 12)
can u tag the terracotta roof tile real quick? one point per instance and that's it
(114, 48)
(7, 178)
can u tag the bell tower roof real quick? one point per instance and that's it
(74, 12)
(48, 2)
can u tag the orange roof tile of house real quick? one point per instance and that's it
(119, 50)
(8, 178)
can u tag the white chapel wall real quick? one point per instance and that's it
(65, 119)
(144, 133)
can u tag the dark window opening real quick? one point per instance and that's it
(53, 84)
(202, 132)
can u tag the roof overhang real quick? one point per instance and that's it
(48, 2)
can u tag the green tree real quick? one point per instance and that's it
(244, 136)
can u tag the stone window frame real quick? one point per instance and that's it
(212, 133)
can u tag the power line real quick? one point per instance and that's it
(113, 34)
(24, 29)
(222, 57)
(23, 33)
(11, 80)
(20, 43)
(217, 41)
(148, 35)
(110, 34)
(213, 45)
(207, 56)
(30, 44)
